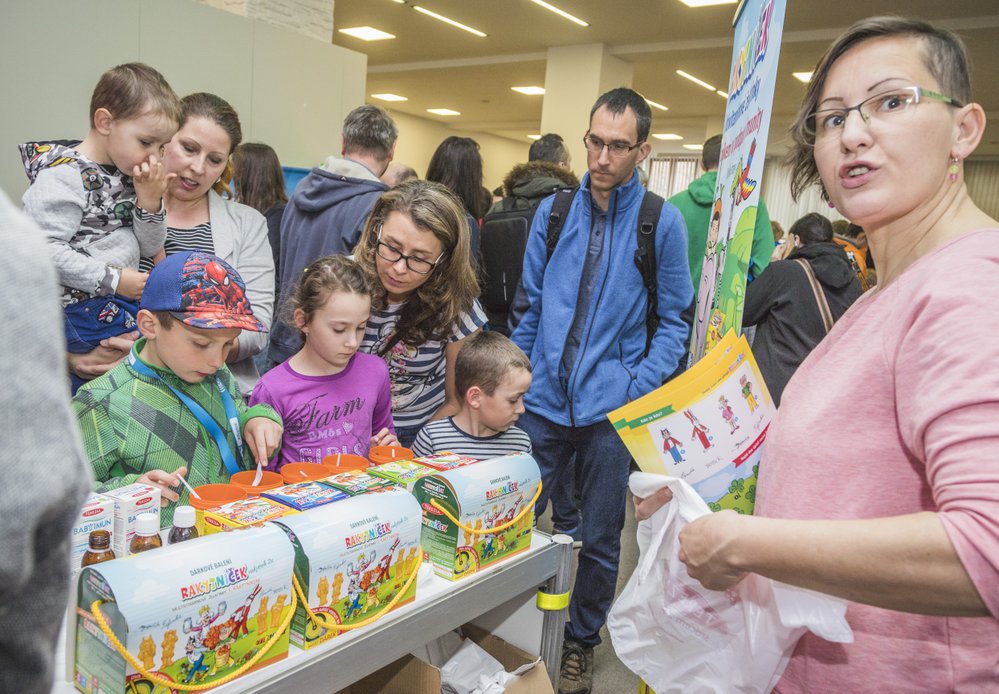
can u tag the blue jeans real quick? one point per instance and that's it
(565, 513)
(603, 465)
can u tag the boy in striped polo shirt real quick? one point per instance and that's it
(492, 374)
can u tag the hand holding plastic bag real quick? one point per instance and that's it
(681, 637)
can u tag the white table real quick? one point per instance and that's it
(499, 598)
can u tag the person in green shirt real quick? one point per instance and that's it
(695, 204)
(172, 408)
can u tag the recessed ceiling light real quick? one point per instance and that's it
(696, 148)
(720, 93)
(443, 112)
(530, 91)
(667, 136)
(693, 79)
(389, 97)
(805, 77)
(707, 3)
(448, 20)
(533, 137)
(654, 104)
(367, 33)
(561, 13)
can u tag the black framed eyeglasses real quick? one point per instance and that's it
(887, 106)
(394, 255)
(615, 149)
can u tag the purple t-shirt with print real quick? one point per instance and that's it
(326, 415)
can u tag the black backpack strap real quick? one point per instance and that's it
(645, 259)
(556, 218)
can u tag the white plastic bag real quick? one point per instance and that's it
(681, 637)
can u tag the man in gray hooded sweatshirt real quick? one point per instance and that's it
(327, 211)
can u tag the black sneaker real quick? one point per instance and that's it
(576, 673)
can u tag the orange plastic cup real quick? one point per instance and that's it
(303, 472)
(214, 495)
(244, 480)
(380, 455)
(342, 462)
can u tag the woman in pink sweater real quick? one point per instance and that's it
(902, 520)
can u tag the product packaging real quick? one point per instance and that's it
(191, 613)
(497, 493)
(402, 472)
(445, 460)
(352, 559)
(129, 502)
(253, 510)
(355, 482)
(302, 496)
(97, 514)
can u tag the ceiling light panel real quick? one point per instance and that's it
(529, 91)
(560, 13)
(367, 33)
(696, 148)
(805, 77)
(707, 3)
(667, 136)
(448, 20)
(657, 105)
(443, 112)
(533, 137)
(687, 75)
(389, 97)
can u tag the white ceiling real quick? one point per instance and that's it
(436, 65)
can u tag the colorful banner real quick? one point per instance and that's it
(751, 85)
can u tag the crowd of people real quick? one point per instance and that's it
(213, 323)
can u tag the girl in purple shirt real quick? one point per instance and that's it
(332, 399)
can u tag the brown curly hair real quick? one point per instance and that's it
(434, 308)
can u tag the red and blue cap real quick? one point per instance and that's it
(200, 290)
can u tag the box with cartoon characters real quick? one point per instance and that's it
(237, 515)
(352, 558)
(490, 494)
(189, 613)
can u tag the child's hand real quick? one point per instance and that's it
(263, 436)
(385, 438)
(166, 481)
(150, 180)
(131, 283)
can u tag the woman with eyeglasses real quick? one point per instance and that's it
(416, 245)
(902, 517)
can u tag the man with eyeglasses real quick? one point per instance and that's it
(585, 332)
(326, 213)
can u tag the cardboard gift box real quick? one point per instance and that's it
(352, 559)
(187, 613)
(401, 472)
(413, 675)
(462, 505)
(242, 514)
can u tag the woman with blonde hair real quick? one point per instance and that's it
(902, 521)
(415, 245)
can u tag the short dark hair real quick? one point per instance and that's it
(133, 89)
(550, 147)
(165, 318)
(485, 358)
(711, 152)
(812, 228)
(369, 129)
(944, 55)
(622, 98)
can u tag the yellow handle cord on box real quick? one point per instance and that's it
(324, 621)
(95, 608)
(496, 528)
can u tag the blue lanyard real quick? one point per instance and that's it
(206, 420)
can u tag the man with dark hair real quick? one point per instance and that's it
(695, 204)
(585, 332)
(327, 211)
(550, 147)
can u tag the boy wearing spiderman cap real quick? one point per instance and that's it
(172, 408)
